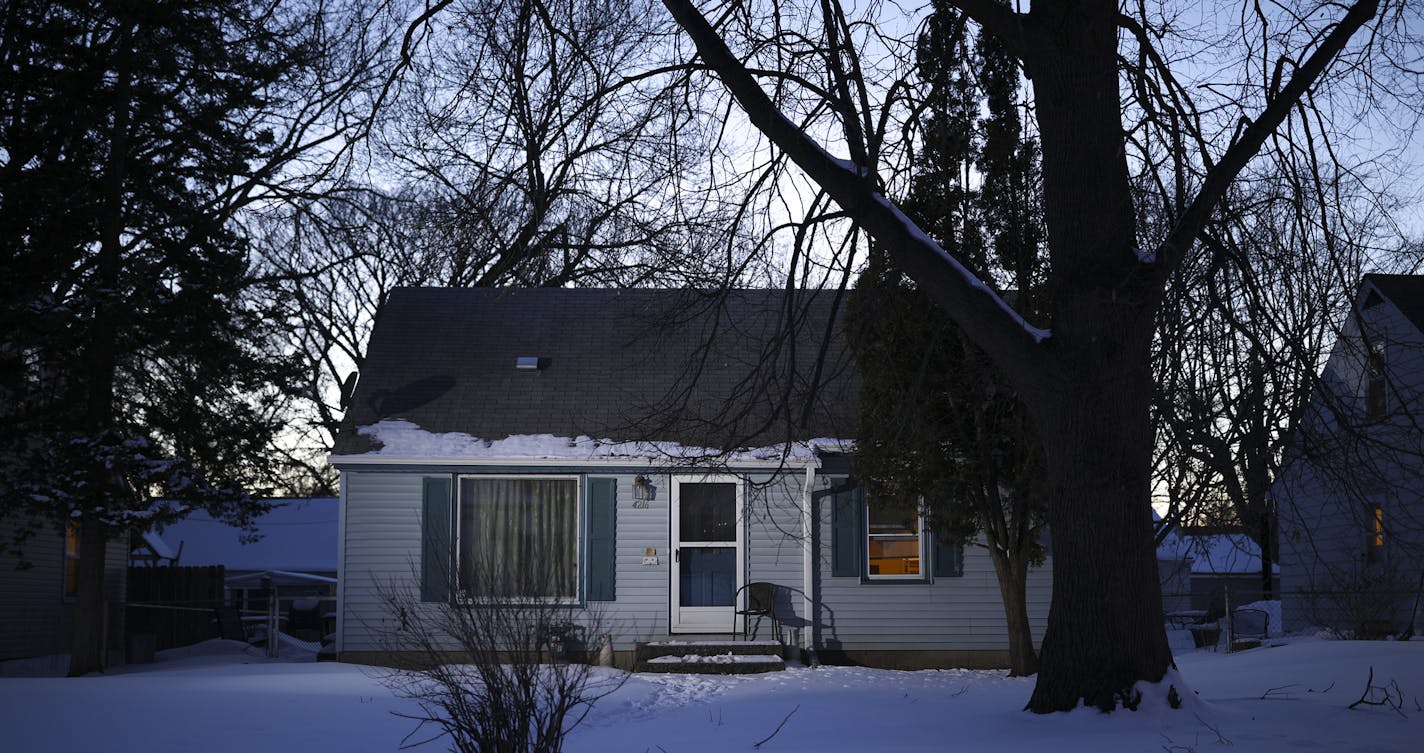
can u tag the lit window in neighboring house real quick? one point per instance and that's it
(71, 558)
(1376, 546)
(1375, 382)
(894, 546)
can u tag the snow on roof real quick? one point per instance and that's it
(404, 439)
(1174, 546)
(1226, 554)
(297, 535)
(631, 364)
(256, 576)
(1215, 554)
(160, 548)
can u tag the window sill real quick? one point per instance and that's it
(464, 600)
(891, 580)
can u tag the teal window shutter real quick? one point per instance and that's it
(436, 563)
(948, 556)
(602, 561)
(847, 532)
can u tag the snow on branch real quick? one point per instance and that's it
(1038, 334)
(976, 307)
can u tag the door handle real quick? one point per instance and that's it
(677, 555)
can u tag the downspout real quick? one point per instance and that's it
(808, 564)
(341, 567)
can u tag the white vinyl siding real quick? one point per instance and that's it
(381, 551)
(962, 613)
(382, 545)
(1325, 531)
(36, 618)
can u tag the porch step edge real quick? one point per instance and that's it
(654, 649)
(719, 664)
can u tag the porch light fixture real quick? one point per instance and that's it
(527, 363)
(642, 489)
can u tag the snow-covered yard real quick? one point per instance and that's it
(222, 698)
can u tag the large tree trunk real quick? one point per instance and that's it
(1105, 628)
(87, 652)
(1012, 574)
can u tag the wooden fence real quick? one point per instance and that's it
(177, 606)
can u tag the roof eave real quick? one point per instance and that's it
(348, 462)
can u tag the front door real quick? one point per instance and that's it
(707, 553)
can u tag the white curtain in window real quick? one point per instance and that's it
(519, 538)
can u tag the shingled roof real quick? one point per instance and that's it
(730, 370)
(1406, 292)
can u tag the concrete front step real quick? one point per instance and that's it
(710, 657)
(722, 664)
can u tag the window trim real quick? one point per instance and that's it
(461, 596)
(1375, 535)
(923, 576)
(71, 560)
(1376, 382)
(677, 621)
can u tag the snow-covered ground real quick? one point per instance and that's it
(221, 697)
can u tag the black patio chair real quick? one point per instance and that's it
(1248, 623)
(761, 602)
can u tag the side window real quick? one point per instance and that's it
(1376, 394)
(876, 544)
(894, 546)
(1374, 548)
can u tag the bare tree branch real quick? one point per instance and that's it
(991, 322)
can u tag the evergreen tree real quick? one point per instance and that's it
(135, 356)
(939, 427)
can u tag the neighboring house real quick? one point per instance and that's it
(147, 548)
(1174, 572)
(1350, 492)
(1226, 571)
(294, 550)
(1203, 573)
(37, 594)
(557, 431)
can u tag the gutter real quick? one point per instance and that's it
(341, 568)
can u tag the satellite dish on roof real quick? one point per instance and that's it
(348, 386)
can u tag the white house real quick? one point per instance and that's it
(560, 430)
(37, 592)
(1350, 493)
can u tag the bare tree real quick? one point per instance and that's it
(1253, 310)
(1084, 369)
(528, 143)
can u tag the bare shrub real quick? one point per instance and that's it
(498, 667)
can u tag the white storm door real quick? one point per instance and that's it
(707, 556)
